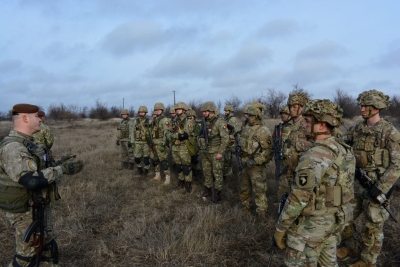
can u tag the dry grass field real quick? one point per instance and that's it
(108, 217)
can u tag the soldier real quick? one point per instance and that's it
(172, 113)
(24, 178)
(320, 202)
(376, 145)
(246, 116)
(232, 127)
(139, 136)
(182, 131)
(124, 142)
(294, 141)
(196, 166)
(285, 113)
(44, 137)
(213, 152)
(257, 151)
(160, 128)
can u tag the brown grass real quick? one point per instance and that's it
(108, 217)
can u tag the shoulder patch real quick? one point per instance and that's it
(32, 165)
(168, 123)
(303, 178)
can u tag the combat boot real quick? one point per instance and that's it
(217, 196)
(181, 184)
(188, 187)
(145, 172)
(167, 180)
(131, 166)
(157, 178)
(362, 263)
(206, 193)
(139, 171)
(343, 253)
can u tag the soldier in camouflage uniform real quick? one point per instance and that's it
(181, 132)
(172, 113)
(376, 144)
(160, 128)
(24, 176)
(320, 202)
(196, 166)
(257, 151)
(285, 113)
(232, 127)
(124, 142)
(139, 136)
(294, 142)
(213, 153)
(246, 116)
(44, 137)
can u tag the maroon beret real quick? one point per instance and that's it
(24, 108)
(41, 113)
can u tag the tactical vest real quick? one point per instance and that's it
(141, 129)
(124, 129)
(158, 132)
(369, 147)
(335, 191)
(248, 141)
(214, 138)
(13, 196)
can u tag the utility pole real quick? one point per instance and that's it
(174, 98)
(123, 103)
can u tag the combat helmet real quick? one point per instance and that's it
(284, 109)
(191, 112)
(229, 108)
(124, 112)
(209, 106)
(324, 110)
(143, 109)
(180, 105)
(245, 108)
(374, 98)
(297, 98)
(159, 105)
(172, 110)
(259, 105)
(254, 110)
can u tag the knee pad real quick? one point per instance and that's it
(186, 170)
(178, 168)
(194, 160)
(137, 160)
(146, 161)
(164, 165)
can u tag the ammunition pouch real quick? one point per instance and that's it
(361, 158)
(14, 199)
(345, 214)
(192, 146)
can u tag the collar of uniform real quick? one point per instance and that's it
(19, 134)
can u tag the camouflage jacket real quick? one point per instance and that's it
(377, 151)
(160, 128)
(181, 124)
(256, 138)
(44, 137)
(311, 203)
(218, 136)
(123, 129)
(139, 130)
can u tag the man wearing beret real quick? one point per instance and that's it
(25, 178)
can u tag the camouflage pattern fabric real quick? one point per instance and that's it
(16, 162)
(218, 138)
(44, 137)
(374, 98)
(255, 137)
(139, 136)
(309, 220)
(161, 127)
(232, 121)
(377, 151)
(295, 143)
(123, 137)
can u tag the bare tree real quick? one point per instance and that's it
(274, 100)
(299, 90)
(131, 111)
(63, 112)
(347, 103)
(100, 112)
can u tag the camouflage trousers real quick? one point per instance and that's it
(212, 169)
(372, 233)
(254, 181)
(20, 222)
(181, 161)
(142, 150)
(160, 157)
(126, 152)
(314, 254)
(227, 162)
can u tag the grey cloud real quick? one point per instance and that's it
(390, 59)
(250, 55)
(278, 28)
(10, 65)
(124, 39)
(58, 51)
(324, 49)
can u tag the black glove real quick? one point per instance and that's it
(129, 144)
(374, 192)
(73, 167)
(183, 136)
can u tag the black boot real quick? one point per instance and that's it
(181, 184)
(123, 165)
(139, 172)
(206, 193)
(145, 172)
(188, 187)
(217, 196)
(131, 165)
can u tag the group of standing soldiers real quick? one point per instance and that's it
(316, 168)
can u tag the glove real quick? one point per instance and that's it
(65, 159)
(374, 192)
(278, 237)
(73, 167)
(250, 163)
(183, 136)
(117, 142)
(129, 144)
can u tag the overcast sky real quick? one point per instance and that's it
(77, 52)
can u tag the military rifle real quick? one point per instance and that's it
(282, 202)
(203, 131)
(238, 151)
(367, 183)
